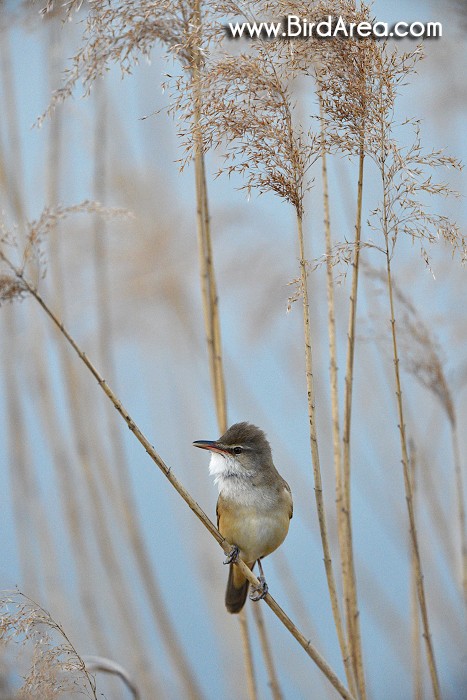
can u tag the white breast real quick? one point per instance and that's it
(231, 479)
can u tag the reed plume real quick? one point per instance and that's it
(55, 666)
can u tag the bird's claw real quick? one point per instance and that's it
(259, 592)
(232, 556)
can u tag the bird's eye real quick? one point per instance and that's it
(237, 450)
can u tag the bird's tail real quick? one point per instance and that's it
(237, 590)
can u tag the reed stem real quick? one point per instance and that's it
(315, 454)
(348, 564)
(460, 493)
(409, 495)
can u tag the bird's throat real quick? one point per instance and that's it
(221, 467)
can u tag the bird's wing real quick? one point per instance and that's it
(288, 493)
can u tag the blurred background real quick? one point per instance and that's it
(89, 527)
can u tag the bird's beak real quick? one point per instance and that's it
(210, 445)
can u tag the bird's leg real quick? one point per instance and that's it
(232, 556)
(260, 591)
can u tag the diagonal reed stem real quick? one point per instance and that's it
(189, 500)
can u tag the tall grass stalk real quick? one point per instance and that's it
(209, 295)
(318, 487)
(30, 514)
(422, 358)
(342, 468)
(248, 656)
(424, 362)
(92, 617)
(348, 564)
(12, 175)
(405, 461)
(333, 368)
(414, 607)
(267, 654)
(118, 34)
(22, 491)
(460, 493)
(208, 281)
(344, 73)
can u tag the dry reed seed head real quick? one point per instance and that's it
(343, 68)
(297, 283)
(342, 256)
(357, 79)
(247, 99)
(55, 666)
(11, 289)
(70, 6)
(247, 107)
(123, 33)
(12, 285)
(422, 356)
(359, 93)
(407, 175)
(53, 10)
(50, 217)
(52, 7)
(407, 171)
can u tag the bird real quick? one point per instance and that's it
(254, 507)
